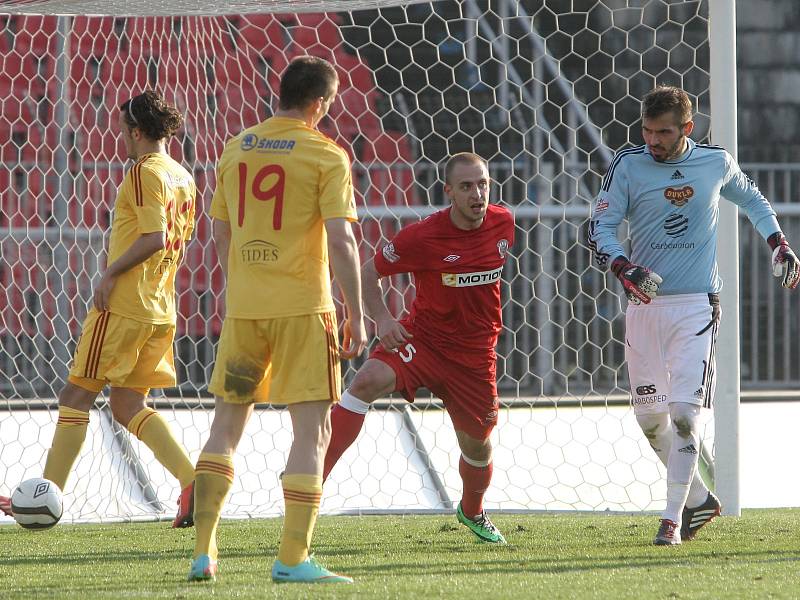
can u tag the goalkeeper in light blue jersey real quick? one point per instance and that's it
(669, 191)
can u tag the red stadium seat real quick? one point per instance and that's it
(36, 34)
(263, 33)
(389, 160)
(33, 149)
(94, 36)
(240, 108)
(121, 70)
(325, 34)
(148, 36)
(24, 134)
(315, 19)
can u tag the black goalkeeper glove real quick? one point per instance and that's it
(640, 283)
(784, 261)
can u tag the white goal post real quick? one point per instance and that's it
(545, 91)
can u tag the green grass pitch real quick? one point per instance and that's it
(549, 556)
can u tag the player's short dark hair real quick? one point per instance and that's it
(151, 114)
(462, 158)
(667, 98)
(306, 79)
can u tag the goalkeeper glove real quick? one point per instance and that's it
(784, 261)
(640, 283)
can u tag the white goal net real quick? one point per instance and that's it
(545, 91)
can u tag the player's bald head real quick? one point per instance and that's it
(462, 158)
(306, 79)
(667, 99)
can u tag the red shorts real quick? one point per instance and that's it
(469, 394)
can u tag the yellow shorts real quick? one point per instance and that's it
(122, 352)
(281, 361)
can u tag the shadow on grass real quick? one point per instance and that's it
(559, 566)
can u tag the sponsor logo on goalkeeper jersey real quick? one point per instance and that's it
(471, 279)
(679, 196)
(647, 394)
(259, 252)
(252, 142)
(601, 206)
(672, 245)
(677, 175)
(389, 254)
(676, 225)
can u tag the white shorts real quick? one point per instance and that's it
(669, 346)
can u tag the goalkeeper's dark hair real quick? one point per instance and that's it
(667, 98)
(151, 114)
(306, 79)
(460, 159)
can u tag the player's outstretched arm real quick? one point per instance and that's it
(143, 248)
(343, 251)
(391, 334)
(784, 261)
(640, 283)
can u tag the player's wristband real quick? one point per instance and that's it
(618, 265)
(776, 239)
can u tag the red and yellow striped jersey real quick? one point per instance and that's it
(157, 194)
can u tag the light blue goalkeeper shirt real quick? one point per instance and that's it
(672, 210)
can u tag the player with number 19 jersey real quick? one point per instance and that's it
(277, 184)
(298, 178)
(456, 314)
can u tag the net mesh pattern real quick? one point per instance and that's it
(543, 90)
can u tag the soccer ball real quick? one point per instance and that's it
(37, 504)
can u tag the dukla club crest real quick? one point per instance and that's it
(679, 196)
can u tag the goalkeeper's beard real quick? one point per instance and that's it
(675, 151)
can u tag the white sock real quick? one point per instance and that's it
(656, 428)
(698, 491)
(683, 455)
(353, 404)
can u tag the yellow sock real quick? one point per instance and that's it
(67, 441)
(302, 495)
(213, 478)
(151, 428)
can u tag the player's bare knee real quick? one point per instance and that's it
(374, 380)
(475, 449)
(121, 415)
(74, 396)
(125, 405)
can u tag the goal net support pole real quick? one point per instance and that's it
(722, 47)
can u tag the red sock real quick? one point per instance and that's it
(345, 426)
(476, 481)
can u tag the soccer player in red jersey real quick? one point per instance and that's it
(446, 343)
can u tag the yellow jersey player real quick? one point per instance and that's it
(126, 341)
(283, 205)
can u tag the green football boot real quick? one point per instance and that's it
(481, 527)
